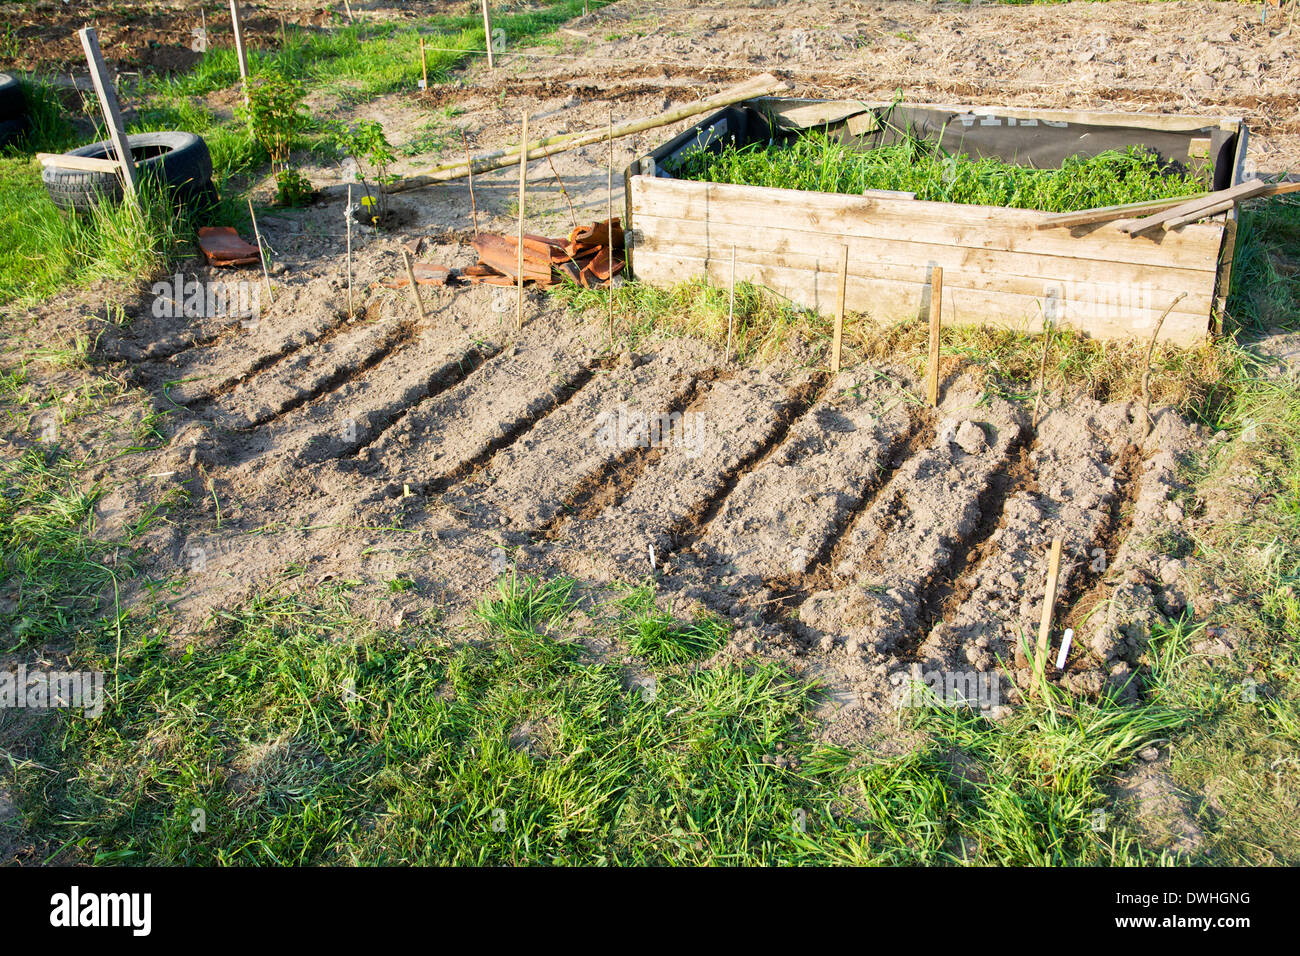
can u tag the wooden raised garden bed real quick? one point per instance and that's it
(999, 267)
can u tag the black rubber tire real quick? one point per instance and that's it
(11, 130)
(181, 160)
(13, 105)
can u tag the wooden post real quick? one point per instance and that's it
(261, 256)
(936, 318)
(837, 337)
(415, 288)
(609, 217)
(241, 54)
(731, 301)
(1042, 372)
(523, 180)
(487, 35)
(424, 64)
(112, 112)
(1049, 604)
(347, 214)
(473, 206)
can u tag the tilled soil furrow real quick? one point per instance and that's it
(311, 374)
(361, 410)
(1077, 467)
(448, 436)
(917, 530)
(206, 374)
(1120, 599)
(699, 456)
(168, 347)
(786, 512)
(538, 476)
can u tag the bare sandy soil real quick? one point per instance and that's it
(840, 524)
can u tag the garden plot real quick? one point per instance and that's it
(837, 520)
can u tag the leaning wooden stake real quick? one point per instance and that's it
(241, 54)
(936, 318)
(347, 214)
(1146, 367)
(261, 256)
(424, 65)
(487, 34)
(112, 112)
(523, 181)
(731, 300)
(499, 159)
(415, 286)
(473, 205)
(837, 337)
(1042, 372)
(1049, 604)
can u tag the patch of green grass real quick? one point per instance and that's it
(364, 60)
(819, 163)
(43, 248)
(59, 574)
(657, 636)
(305, 736)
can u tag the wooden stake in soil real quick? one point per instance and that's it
(424, 65)
(1049, 604)
(261, 255)
(347, 214)
(112, 113)
(473, 206)
(936, 318)
(1042, 372)
(837, 337)
(523, 181)
(415, 288)
(1146, 367)
(241, 54)
(731, 307)
(609, 216)
(487, 35)
(573, 217)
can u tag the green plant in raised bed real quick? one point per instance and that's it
(816, 162)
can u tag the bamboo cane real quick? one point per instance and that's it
(540, 149)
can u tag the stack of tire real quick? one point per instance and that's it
(180, 161)
(13, 110)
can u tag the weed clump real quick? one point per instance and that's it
(819, 163)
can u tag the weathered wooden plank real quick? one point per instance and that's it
(886, 299)
(987, 270)
(875, 217)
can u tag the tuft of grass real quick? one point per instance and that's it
(43, 248)
(58, 574)
(657, 636)
(816, 162)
